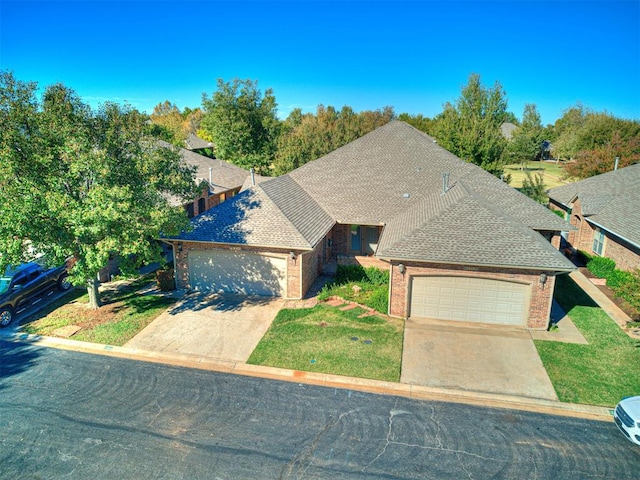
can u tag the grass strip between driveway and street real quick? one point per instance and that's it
(600, 373)
(124, 313)
(329, 340)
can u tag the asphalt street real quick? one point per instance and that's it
(71, 415)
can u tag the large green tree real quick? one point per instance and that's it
(83, 184)
(470, 128)
(243, 124)
(526, 141)
(306, 137)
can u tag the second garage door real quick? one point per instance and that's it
(470, 300)
(239, 272)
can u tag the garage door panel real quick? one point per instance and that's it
(239, 272)
(469, 299)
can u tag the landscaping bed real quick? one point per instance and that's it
(128, 307)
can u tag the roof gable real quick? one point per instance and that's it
(610, 200)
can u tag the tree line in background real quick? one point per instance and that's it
(242, 123)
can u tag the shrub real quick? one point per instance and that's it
(357, 273)
(379, 300)
(601, 267)
(626, 285)
(617, 278)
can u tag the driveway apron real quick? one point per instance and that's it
(481, 358)
(219, 326)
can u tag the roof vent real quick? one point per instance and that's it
(445, 182)
(406, 195)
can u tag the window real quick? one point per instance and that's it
(201, 205)
(356, 238)
(189, 209)
(598, 241)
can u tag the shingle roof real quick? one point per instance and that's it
(466, 229)
(193, 142)
(365, 182)
(394, 177)
(249, 218)
(610, 200)
(224, 176)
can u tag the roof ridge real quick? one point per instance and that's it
(288, 178)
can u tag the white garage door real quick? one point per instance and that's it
(470, 300)
(248, 273)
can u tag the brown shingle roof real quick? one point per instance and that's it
(610, 200)
(393, 176)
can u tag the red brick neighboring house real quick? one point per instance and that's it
(218, 180)
(605, 210)
(460, 244)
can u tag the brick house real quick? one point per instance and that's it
(218, 180)
(459, 243)
(605, 210)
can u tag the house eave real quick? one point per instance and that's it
(237, 245)
(631, 242)
(481, 265)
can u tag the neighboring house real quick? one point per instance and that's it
(605, 210)
(198, 145)
(218, 180)
(459, 243)
(507, 129)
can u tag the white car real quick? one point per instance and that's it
(627, 417)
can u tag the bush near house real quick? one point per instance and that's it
(366, 286)
(601, 267)
(625, 285)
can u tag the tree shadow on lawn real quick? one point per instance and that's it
(568, 294)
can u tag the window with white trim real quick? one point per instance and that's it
(598, 242)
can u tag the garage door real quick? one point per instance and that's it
(248, 273)
(470, 300)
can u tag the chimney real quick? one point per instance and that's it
(253, 177)
(615, 165)
(445, 182)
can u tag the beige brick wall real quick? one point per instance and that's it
(626, 257)
(541, 295)
(182, 263)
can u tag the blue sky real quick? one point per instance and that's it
(414, 56)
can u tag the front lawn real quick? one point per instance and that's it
(600, 373)
(328, 340)
(125, 312)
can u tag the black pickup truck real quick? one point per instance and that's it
(21, 285)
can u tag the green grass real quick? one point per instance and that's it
(600, 373)
(552, 173)
(372, 283)
(321, 339)
(124, 313)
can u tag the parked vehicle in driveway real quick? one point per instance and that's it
(627, 418)
(21, 285)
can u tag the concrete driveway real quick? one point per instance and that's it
(219, 326)
(481, 358)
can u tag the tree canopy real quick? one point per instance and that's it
(83, 184)
(470, 128)
(527, 140)
(306, 137)
(173, 125)
(242, 123)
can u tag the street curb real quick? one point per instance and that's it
(323, 379)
